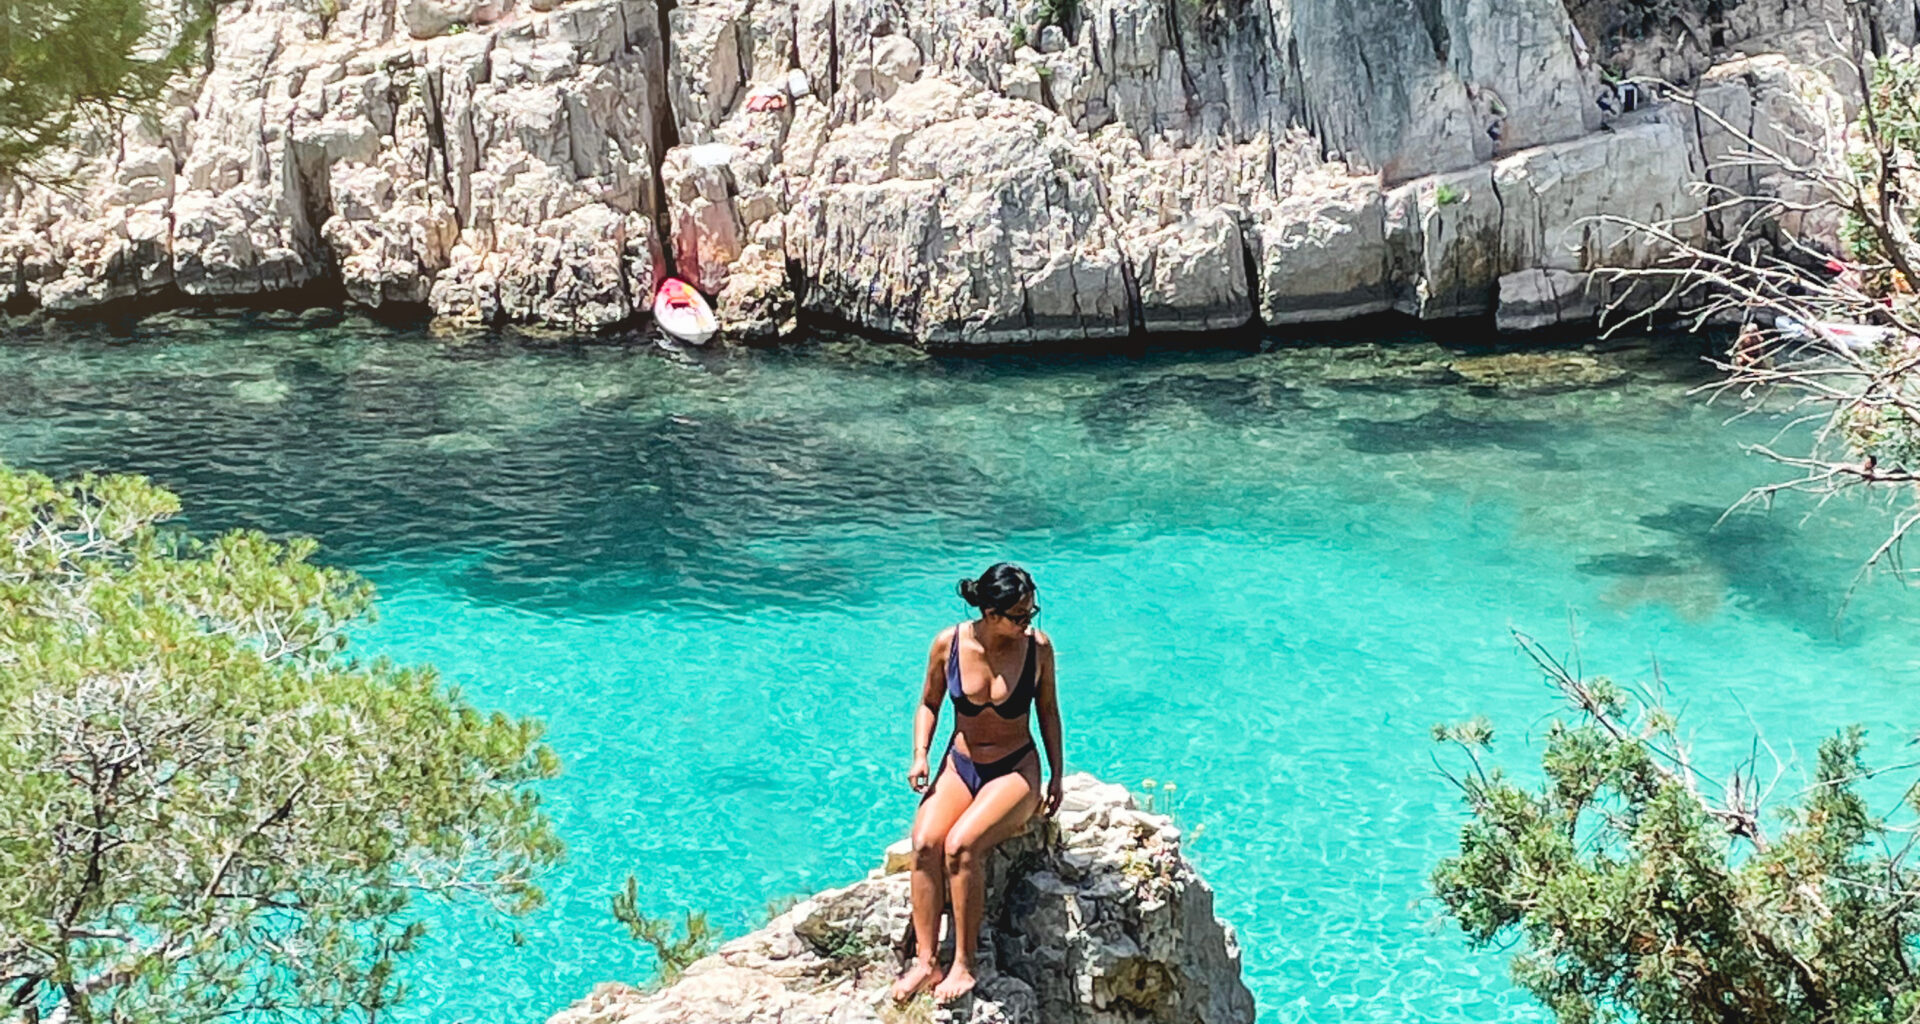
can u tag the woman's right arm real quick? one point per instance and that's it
(933, 690)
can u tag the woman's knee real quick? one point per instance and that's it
(929, 847)
(961, 851)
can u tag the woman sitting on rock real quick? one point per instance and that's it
(994, 669)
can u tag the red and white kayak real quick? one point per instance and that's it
(683, 313)
(1849, 337)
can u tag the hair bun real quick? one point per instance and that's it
(999, 588)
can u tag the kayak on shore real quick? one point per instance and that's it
(683, 313)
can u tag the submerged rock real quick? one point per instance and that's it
(1537, 372)
(1095, 918)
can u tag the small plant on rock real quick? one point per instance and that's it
(847, 945)
(674, 954)
(1058, 12)
(1019, 35)
(1445, 194)
(1163, 798)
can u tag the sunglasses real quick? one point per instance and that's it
(1020, 618)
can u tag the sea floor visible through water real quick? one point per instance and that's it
(1269, 570)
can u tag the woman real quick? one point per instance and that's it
(995, 669)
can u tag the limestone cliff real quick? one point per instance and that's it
(950, 171)
(1099, 920)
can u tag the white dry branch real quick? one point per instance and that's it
(1827, 338)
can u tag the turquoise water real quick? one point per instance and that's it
(1269, 572)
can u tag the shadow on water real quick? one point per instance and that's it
(1620, 564)
(1759, 559)
(1439, 430)
(1234, 400)
(710, 510)
(592, 509)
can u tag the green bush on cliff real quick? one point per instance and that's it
(1640, 891)
(206, 809)
(64, 63)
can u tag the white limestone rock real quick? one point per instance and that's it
(1192, 274)
(1323, 254)
(757, 302)
(428, 18)
(1792, 109)
(349, 149)
(1544, 208)
(1116, 927)
(958, 217)
(1145, 167)
(590, 267)
(1534, 299)
(708, 236)
(708, 72)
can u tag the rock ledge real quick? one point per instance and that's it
(1094, 919)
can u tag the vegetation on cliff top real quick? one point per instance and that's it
(206, 808)
(65, 64)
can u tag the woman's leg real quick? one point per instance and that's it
(998, 811)
(931, 823)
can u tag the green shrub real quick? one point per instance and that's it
(65, 64)
(207, 810)
(1637, 889)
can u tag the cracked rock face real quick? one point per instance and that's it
(504, 173)
(953, 172)
(1098, 920)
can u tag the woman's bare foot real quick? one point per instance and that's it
(915, 980)
(957, 983)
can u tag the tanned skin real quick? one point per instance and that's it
(954, 830)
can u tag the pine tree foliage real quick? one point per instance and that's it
(673, 953)
(66, 62)
(207, 809)
(1636, 890)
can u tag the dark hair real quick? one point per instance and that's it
(998, 589)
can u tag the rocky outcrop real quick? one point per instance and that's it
(1680, 40)
(504, 173)
(953, 172)
(1096, 920)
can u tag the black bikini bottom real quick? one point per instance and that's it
(975, 775)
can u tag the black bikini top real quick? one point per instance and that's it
(1016, 703)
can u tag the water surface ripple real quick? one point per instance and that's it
(1269, 573)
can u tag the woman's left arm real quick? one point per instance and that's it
(1049, 707)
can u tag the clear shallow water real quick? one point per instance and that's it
(1269, 573)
